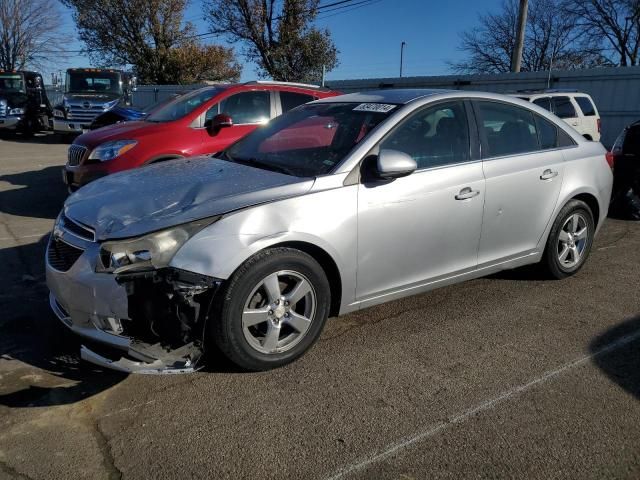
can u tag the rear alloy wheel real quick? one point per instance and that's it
(273, 309)
(570, 240)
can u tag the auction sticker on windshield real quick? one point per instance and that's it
(374, 107)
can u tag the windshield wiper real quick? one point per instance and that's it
(254, 162)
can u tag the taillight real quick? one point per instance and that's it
(610, 159)
(599, 126)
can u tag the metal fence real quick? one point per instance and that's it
(144, 96)
(616, 91)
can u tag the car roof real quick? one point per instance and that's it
(556, 93)
(391, 95)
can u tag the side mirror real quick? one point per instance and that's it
(394, 164)
(218, 122)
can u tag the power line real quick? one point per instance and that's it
(364, 3)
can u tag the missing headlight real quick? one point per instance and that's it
(168, 311)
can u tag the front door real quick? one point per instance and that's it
(426, 225)
(523, 170)
(248, 110)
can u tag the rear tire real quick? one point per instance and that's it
(28, 129)
(272, 309)
(570, 240)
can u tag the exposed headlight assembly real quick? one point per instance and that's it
(110, 150)
(16, 111)
(151, 251)
(58, 113)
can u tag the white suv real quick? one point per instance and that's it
(575, 108)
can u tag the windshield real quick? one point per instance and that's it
(11, 82)
(94, 82)
(182, 106)
(309, 140)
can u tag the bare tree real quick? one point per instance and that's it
(29, 33)
(551, 38)
(277, 35)
(612, 24)
(151, 36)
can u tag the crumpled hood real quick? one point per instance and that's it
(135, 202)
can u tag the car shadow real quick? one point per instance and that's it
(40, 363)
(38, 193)
(43, 138)
(527, 273)
(617, 354)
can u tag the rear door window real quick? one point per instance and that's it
(547, 133)
(508, 129)
(544, 102)
(563, 107)
(588, 110)
(290, 100)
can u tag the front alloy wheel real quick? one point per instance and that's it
(278, 312)
(272, 309)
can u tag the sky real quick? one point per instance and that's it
(368, 36)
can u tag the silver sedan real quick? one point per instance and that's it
(337, 205)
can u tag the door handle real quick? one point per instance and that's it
(548, 174)
(467, 193)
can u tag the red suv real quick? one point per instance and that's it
(201, 122)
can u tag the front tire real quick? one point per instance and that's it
(570, 240)
(272, 309)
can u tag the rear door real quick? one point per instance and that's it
(523, 170)
(425, 225)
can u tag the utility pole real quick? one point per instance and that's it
(324, 73)
(401, 56)
(516, 58)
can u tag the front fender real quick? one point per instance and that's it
(326, 220)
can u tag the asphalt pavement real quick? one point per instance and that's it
(509, 376)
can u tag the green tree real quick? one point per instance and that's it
(151, 36)
(278, 35)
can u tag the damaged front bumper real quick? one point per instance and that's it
(140, 322)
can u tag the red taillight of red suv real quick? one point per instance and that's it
(611, 159)
(599, 126)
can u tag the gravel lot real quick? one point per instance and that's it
(507, 376)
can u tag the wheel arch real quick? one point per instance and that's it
(163, 157)
(587, 197)
(592, 203)
(327, 263)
